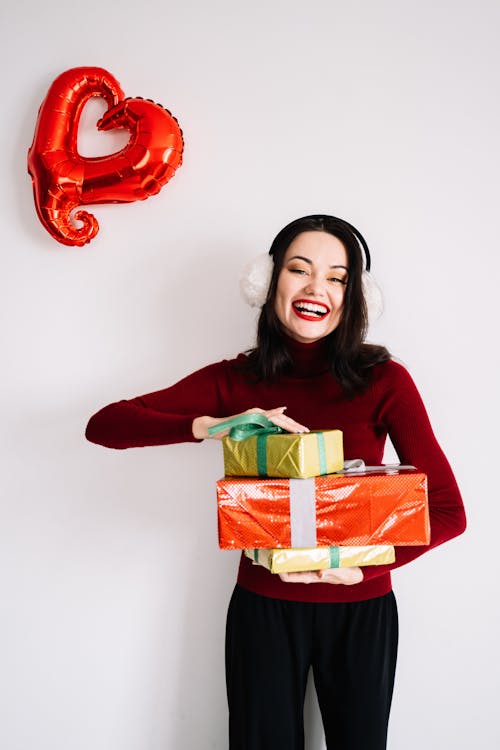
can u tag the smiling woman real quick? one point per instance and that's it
(329, 259)
(311, 355)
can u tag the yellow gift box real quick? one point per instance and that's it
(321, 558)
(309, 454)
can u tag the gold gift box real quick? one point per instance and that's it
(310, 454)
(321, 558)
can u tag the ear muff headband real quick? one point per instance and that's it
(325, 219)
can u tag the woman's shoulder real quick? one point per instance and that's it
(229, 364)
(392, 373)
(391, 367)
(221, 368)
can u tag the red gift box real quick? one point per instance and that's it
(377, 507)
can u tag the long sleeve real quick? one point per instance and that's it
(162, 417)
(403, 414)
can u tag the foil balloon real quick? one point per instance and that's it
(63, 180)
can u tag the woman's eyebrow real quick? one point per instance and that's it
(308, 260)
(301, 257)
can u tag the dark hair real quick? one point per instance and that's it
(351, 358)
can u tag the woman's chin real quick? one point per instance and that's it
(306, 335)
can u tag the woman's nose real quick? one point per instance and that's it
(314, 286)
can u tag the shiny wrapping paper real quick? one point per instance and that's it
(320, 558)
(336, 510)
(310, 454)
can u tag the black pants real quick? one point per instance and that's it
(270, 646)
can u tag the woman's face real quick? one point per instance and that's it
(311, 286)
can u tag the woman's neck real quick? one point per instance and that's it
(308, 359)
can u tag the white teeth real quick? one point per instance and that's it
(311, 307)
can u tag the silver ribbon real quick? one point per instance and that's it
(303, 513)
(358, 466)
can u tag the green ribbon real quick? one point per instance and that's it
(334, 557)
(246, 425)
(321, 453)
(262, 455)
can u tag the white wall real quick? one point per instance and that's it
(114, 591)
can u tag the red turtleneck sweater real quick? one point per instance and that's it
(391, 405)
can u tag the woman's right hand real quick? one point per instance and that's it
(276, 416)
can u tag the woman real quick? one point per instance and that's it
(310, 369)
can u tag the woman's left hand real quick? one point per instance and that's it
(346, 576)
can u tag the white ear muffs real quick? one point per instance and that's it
(373, 297)
(255, 279)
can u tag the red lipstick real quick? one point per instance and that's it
(309, 309)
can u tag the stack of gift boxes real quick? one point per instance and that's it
(287, 500)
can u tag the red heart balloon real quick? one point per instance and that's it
(63, 180)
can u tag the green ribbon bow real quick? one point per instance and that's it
(246, 425)
(250, 425)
